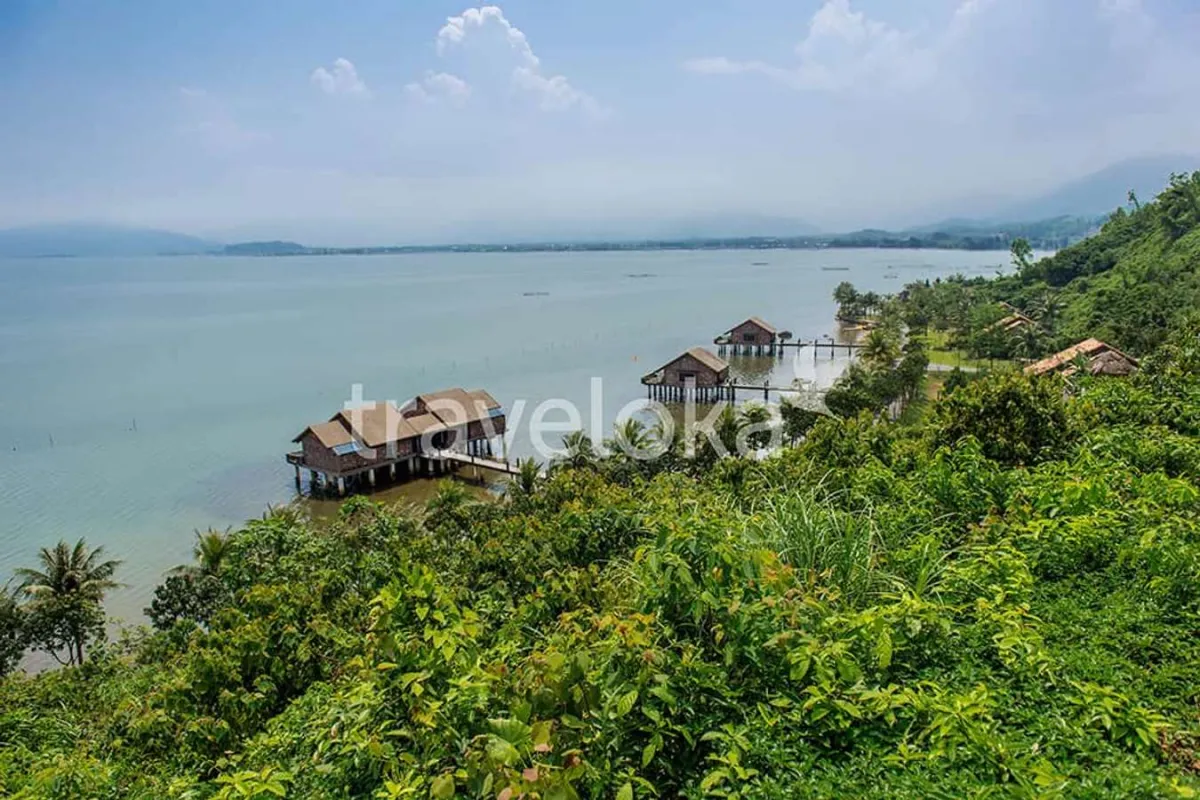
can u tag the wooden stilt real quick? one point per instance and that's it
(371, 477)
(341, 484)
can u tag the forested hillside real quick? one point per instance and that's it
(999, 599)
(1130, 282)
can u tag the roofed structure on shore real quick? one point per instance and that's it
(1013, 322)
(1093, 355)
(697, 367)
(754, 332)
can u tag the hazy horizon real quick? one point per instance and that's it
(440, 122)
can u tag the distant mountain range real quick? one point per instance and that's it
(1061, 215)
(97, 241)
(1101, 192)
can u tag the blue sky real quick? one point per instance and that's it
(372, 122)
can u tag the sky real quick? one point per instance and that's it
(420, 121)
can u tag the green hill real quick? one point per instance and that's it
(1131, 281)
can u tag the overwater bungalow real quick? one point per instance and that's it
(698, 373)
(1093, 355)
(753, 335)
(431, 434)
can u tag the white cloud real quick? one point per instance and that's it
(844, 49)
(455, 32)
(552, 93)
(341, 79)
(439, 85)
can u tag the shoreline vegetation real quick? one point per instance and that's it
(996, 594)
(1051, 234)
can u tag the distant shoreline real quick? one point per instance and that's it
(619, 247)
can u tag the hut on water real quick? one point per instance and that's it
(753, 335)
(698, 373)
(424, 436)
(1094, 356)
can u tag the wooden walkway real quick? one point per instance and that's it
(475, 461)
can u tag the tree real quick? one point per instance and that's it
(1022, 254)
(852, 393)
(910, 372)
(797, 420)
(189, 596)
(880, 350)
(753, 422)
(629, 437)
(1048, 308)
(955, 380)
(579, 453)
(12, 630)
(870, 302)
(523, 485)
(210, 551)
(1179, 205)
(66, 596)
(845, 295)
(1015, 419)
(1031, 343)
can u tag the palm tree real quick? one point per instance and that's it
(70, 578)
(210, 552)
(522, 485)
(631, 436)
(879, 349)
(1048, 308)
(757, 416)
(580, 452)
(870, 302)
(70, 570)
(1031, 344)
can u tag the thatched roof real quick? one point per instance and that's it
(455, 406)
(331, 434)
(1089, 349)
(760, 322)
(1011, 323)
(1112, 363)
(376, 424)
(708, 359)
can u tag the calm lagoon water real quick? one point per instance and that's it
(143, 399)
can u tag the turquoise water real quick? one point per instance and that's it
(143, 399)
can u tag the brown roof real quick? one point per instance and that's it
(1088, 348)
(705, 357)
(457, 406)
(485, 399)
(708, 359)
(425, 423)
(377, 424)
(1011, 322)
(760, 322)
(1112, 363)
(331, 434)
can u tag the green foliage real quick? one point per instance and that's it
(999, 601)
(1015, 419)
(64, 613)
(12, 631)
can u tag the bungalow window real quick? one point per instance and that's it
(687, 376)
(749, 337)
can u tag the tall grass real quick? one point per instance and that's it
(835, 548)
